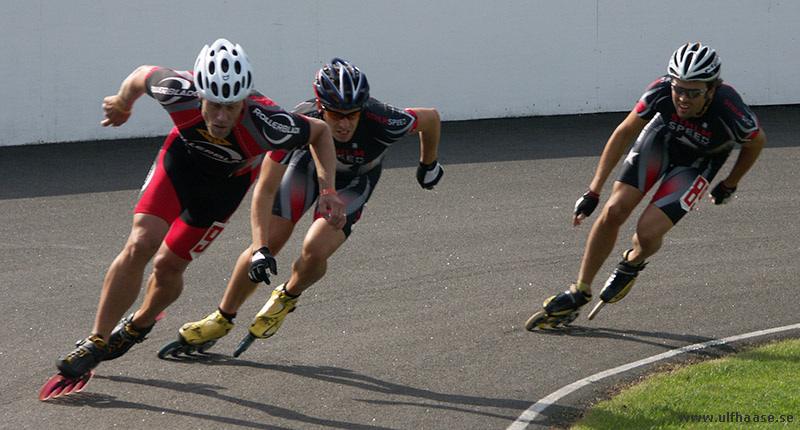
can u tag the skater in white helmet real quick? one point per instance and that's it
(687, 123)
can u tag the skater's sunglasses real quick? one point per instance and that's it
(338, 116)
(690, 93)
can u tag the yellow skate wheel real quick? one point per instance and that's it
(539, 319)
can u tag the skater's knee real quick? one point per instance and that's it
(166, 282)
(614, 215)
(141, 246)
(315, 254)
(167, 265)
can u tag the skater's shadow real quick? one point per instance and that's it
(213, 392)
(105, 401)
(665, 340)
(352, 379)
(195, 357)
(427, 399)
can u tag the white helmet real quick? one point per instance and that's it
(222, 72)
(695, 62)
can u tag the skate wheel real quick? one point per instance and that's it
(83, 381)
(172, 348)
(206, 346)
(244, 344)
(570, 318)
(596, 309)
(52, 388)
(59, 385)
(539, 319)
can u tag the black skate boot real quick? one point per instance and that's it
(620, 282)
(84, 358)
(559, 309)
(124, 337)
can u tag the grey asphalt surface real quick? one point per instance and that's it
(419, 321)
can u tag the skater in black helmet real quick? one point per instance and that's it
(363, 130)
(687, 123)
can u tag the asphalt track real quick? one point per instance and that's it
(419, 321)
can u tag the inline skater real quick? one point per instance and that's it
(687, 123)
(363, 129)
(206, 166)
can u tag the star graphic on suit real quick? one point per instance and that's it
(630, 157)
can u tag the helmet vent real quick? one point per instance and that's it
(223, 73)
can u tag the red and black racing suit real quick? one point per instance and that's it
(197, 181)
(686, 152)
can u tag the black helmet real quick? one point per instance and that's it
(340, 85)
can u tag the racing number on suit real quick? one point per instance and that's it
(209, 237)
(693, 194)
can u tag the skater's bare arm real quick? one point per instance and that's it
(324, 153)
(429, 130)
(622, 136)
(117, 108)
(747, 157)
(263, 198)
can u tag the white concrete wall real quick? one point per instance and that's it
(468, 58)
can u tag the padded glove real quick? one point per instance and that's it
(587, 203)
(429, 175)
(261, 265)
(721, 194)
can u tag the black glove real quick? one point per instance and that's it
(587, 203)
(428, 175)
(721, 194)
(261, 262)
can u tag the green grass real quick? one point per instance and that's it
(746, 387)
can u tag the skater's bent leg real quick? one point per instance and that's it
(280, 230)
(240, 287)
(603, 236)
(124, 277)
(320, 243)
(650, 231)
(163, 287)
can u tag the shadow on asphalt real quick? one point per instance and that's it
(427, 399)
(346, 377)
(664, 340)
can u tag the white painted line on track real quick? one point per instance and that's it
(533, 412)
